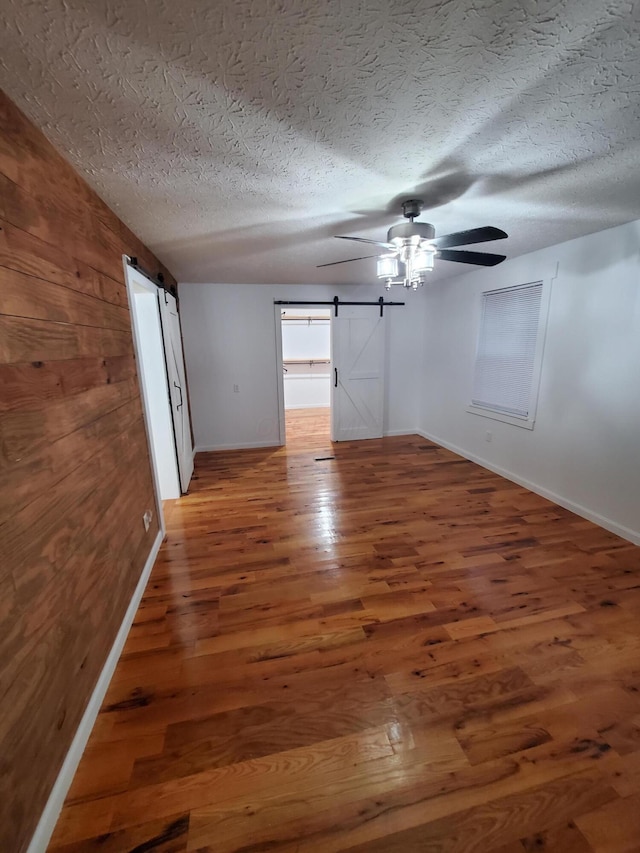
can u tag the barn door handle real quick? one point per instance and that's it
(175, 385)
(335, 381)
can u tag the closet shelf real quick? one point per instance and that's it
(306, 361)
(306, 318)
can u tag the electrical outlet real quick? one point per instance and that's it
(488, 436)
(146, 519)
(236, 389)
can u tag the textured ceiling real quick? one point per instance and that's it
(235, 137)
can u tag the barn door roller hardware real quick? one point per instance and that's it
(336, 302)
(157, 279)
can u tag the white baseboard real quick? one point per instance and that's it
(392, 432)
(583, 511)
(49, 817)
(249, 445)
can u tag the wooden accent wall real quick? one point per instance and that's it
(75, 474)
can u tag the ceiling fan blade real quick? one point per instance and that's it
(474, 235)
(483, 259)
(348, 261)
(364, 240)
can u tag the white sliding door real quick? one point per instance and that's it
(177, 386)
(358, 341)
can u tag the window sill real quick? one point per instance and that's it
(523, 423)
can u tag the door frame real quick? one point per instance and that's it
(277, 316)
(137, 282)
(321, 303)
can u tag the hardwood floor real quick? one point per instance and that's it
(374, 646)
(308, 427)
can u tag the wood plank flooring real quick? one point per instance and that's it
(390, 649)
(308, 427)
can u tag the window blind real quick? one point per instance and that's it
(506, 349)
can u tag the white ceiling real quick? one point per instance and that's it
(237, 136)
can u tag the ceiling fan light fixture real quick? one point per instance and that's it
(417, 257)
(387, 266)
(412, 248)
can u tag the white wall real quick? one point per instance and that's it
(229, 339)
(305, 339)
(584, 451)
(307, 387)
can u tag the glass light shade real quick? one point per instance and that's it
(387, 266)
(423, 260)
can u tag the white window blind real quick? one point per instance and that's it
(506, 349)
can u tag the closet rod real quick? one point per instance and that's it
(303, 318)
(306, 361)
(337, 302)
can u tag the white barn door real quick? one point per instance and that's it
(177, 386)
(358, 342)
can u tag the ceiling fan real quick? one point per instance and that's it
(412, 248)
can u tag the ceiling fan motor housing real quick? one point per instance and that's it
(406, 230)
(412, 207)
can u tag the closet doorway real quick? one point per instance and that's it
(331, 370)
(306, 370)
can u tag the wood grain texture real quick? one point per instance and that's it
(370, 646)
(74, 469)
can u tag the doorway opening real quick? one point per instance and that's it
(306, 371)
